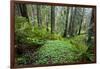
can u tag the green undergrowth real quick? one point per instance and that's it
(70, 50)
(51, 48)
(61, 51)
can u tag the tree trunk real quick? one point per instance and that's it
(90, 30)
(81, 21)
(47, 22)
(23, 10)
(52, 19)
(18, 12)
(39, 20)
(71, 22)
(65, 31)
(30, 13)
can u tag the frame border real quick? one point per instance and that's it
(12, 34)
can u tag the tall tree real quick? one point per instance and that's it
(46, 16)
(52, 19)
(81, 21)
(71, 22)
(47, 22)
(30, 12)
(18, 12)
(39, 20)
(65, 31)
(90, 29)
(23, 10)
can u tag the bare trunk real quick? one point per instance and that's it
(52, 19)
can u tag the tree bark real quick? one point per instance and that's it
(90, 30)
(18, 12)
(30, 13)
(81, 21)
(65, 31)
(23, 10)
(39, 20)
(47, 22)
(71, 22)
(52, 19)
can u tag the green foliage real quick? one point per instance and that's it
(36, 42)
(53, 47)
(54, 37)
(57, 51)
(51, 53)
(89, 55)
(22, 29)
(79, 46)
(44, 34)
(78, 39)
(22, 60)
(39, 33)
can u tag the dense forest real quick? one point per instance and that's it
(46, 34)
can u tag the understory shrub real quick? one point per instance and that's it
(36, 42)
(54, 37)
(79, 46)
(53, 48)
(22, 30)
(56, 51)
(24, 59)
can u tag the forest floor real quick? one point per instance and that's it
(69, 50)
